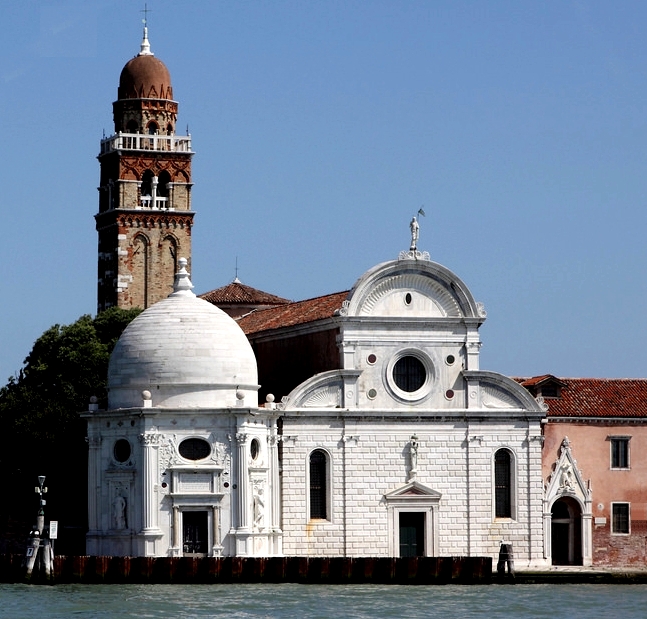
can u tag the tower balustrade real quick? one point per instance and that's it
(140, 141)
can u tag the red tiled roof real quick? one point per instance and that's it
(290, 314)
(535, 380)
(599, 397)
(240, 293)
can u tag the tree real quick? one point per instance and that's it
(42, 433)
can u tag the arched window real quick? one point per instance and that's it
(132, 127)
(147, 183)
(153, 128)
(318, 484)
(140, 267)
(163, 184)
(167, 259)
(503, 484)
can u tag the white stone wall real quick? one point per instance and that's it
(156, 481)
(374, 460)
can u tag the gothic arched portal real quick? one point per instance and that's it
(566, 532)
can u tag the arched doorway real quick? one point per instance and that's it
(566, 532)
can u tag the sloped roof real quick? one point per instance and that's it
(290, 314)
(598, 397)
(239, 293)
(538, 380)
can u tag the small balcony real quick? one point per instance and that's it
(143, 142)
(154, 203)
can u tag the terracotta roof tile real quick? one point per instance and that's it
(599, 397)
(535, 380)
(240, 293)
(290, 314)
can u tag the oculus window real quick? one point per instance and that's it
(121, 450)
(254, 449)
(409, 375)
(194, 449)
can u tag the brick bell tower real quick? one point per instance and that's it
(144, 220)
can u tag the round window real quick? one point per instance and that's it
(254, 448)
(407, 298)
(121, 450)
(409, 373)
(194, 449)
(450, 360)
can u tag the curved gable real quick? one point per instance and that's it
(332, 389)
(416, 288)
(500, 392)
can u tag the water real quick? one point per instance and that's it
(323, 601)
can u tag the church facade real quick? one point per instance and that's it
(407, 448)
(378, 433)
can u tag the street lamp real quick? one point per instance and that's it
(41, 490)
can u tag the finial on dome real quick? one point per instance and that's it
(146, 46)
(182, 285)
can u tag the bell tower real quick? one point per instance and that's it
(145, 218)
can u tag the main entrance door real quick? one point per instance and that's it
(412, 534)
(195, 534)
(566, 532)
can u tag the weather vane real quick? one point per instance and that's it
(415, 229)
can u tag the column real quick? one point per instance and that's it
(177, 542)
(215, 534)
(243, 482)
(275, 490)
(149, 443)
(94, 488)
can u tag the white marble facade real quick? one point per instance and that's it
(395, 453)
(183, 462)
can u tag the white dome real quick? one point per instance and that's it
(187, 353)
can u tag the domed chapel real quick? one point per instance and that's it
(377, 433)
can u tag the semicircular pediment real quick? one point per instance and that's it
(427, 297)
(417, 288)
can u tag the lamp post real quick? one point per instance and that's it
(39, 556)
(41, 490)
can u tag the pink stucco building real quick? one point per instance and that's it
(595, 470)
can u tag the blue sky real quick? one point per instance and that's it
(320, 128)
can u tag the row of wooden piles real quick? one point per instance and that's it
(315, 570)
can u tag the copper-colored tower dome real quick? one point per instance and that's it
(145, 77)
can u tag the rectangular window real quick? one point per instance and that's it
(620, 518)
(619, 452)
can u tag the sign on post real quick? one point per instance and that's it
(53, 529)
